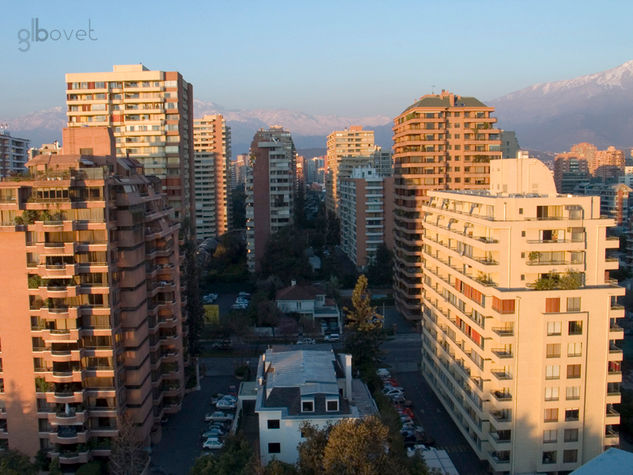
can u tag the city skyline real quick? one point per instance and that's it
(336, 56)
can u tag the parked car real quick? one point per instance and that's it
(387, 391)
(226, 404)
(246, 295)
(305, 341)
(332, 337)
(239, 306)
(216, 397)
(212, 433)
(218, 416)
(212, 443)
(383, 373)
(396, 397)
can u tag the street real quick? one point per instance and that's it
(402, 356)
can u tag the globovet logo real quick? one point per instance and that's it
(38, 34)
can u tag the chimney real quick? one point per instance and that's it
(348, 376)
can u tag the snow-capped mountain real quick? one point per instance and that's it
(308, 130)
(553, 116)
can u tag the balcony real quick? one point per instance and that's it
(503, 332)
(501, 375)
(501, 416)
(503, 354)
(501, 396)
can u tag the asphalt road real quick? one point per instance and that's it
(181, 444)
(402, 355)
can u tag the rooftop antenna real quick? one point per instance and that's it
(433, 89)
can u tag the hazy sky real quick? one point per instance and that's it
(351, 58)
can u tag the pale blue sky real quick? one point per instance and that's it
(341, 57)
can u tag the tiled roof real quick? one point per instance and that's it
(299, 292)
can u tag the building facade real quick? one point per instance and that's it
(298, 386)
(366, 214)
(13, 154)
(520, 320)
(93, 288)
(270, 190)
(212, 155)
(151, 114)
(351, 142)
(583, 162)
(441, 142)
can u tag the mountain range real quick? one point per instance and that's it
(548, 117)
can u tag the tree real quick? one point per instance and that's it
(380, 270)
(364, 326)
(236, 458)
(312, 448)
(54, 467)
(358, 447)
(285, 256)
(128, 455)
(238, 206)
(13, 462)
(333, 234)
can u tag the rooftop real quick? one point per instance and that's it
(309, 371)
(613, 461)
(446, 100)
(299, 292)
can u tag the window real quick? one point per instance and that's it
(307, 406)
(571, 415)
(570, 456)
(552, 350)
(571, 435)
(273, 423)
(503, 306)
(549, 436)
(573, 392)
(573, 304)
(575, 327)
(332, 406)
(551, 414)
(552, 372)
(552, 305)
(553, 328)
(573, 371)
(274, 447)
(551, 394)
(549, 456)
(574, 349)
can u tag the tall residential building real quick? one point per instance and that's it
(351, 142)
(366, 214)
(509, 144)
(520, 320)
(91, 282)
(45, 149)
(151, 113)
(441, 142)
(212, 154)
(585, 158)
(13, 154)
(238, 170)
(270, 190)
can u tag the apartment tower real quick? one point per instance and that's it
(270, 190)
(212, 154)
(442, 142)
(90, 274)
(520, 320)
(366, 213)
(351, 142)
(13, 154)
(151, 113)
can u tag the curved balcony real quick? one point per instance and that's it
(68, 435)
(64, 397)
(62, 418)
(74, 457)
(69, 335)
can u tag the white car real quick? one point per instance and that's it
(212, 443)
(332, 337)
(212, 433)
(225, 403)
(218, 416)
(245, 295)
(383, 373)
(239, 306)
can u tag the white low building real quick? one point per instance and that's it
(311, 301)
(307, 385)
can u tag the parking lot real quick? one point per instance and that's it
(181, 443)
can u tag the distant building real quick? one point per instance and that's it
(212, 154)
(151, 115)
(351, 142)
(13, 154)
(90, 274)
(366, 214)
(441, 142)
(520, 320)
(270, 190)
(298, 386)
(45, 149)
(614, 199)
(509, 144)
(583, 162)
(238, 170)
